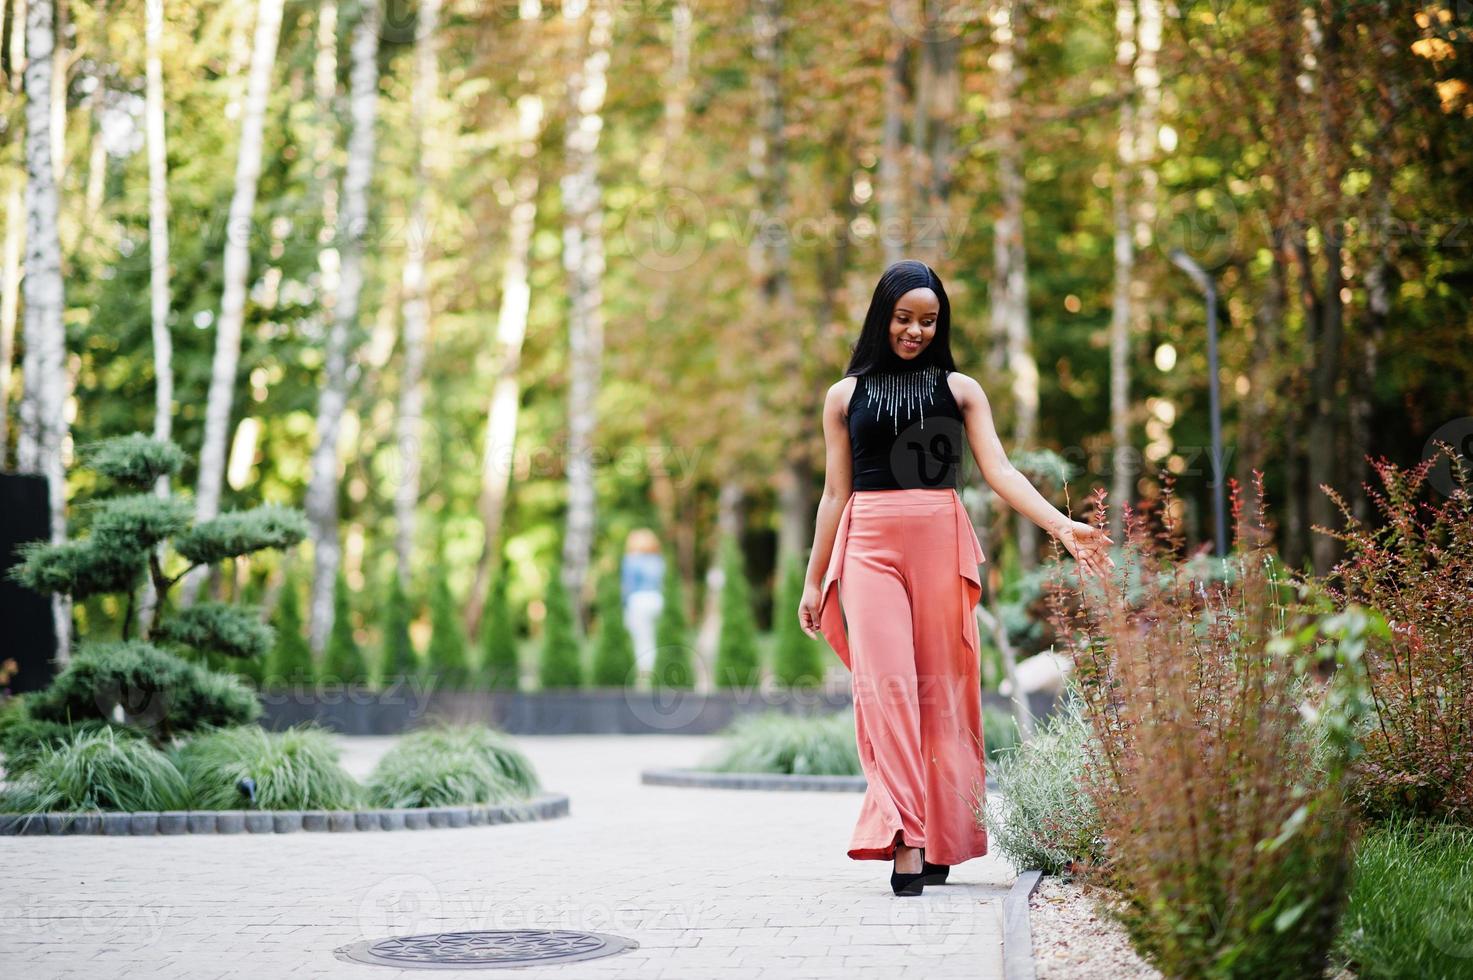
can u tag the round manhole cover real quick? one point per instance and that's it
(485, 948)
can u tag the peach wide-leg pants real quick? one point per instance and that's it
(903, 624)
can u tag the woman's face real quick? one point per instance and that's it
(913, 323)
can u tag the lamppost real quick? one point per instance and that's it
(1204, 282)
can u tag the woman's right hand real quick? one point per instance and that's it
(808, 609)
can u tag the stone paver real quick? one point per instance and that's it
(710, 883)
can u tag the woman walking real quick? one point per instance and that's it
(893, 530)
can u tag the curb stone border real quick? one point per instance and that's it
(711, 779)
(1017, 933)
(543, 806)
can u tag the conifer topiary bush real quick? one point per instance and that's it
(343, 661)
(736, 650)
(449, 661)
(613, 647)
(799, 659)
(290, 663)
(398, 660)
(561, 664)
(673, 667)
(130, 535)
(500, 668)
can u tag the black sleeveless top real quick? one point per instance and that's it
(905, 430)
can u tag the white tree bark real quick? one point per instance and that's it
(158, 270)
(322, 491)
(158, 233)
(583, 260)
(891, 190)
(1122, 312)
(772, 261)
(44, 432)
(237, 272)
(1010, 322)
(416, 308)
(511, 330)
(9, 305)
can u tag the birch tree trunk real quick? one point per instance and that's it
(1122, 312)
(9, 307)
(1141, 204)
(891, 190)
(158, 234)
(410, 420)
(729, 521)
(933, 130)
(1010, 263)
(583, 260)
(44, 432)
(511, 330)
(771, 258)
(236, 279)
(332, 398)
(158, 264)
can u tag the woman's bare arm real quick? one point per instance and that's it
(1085, 542)
(838, 484)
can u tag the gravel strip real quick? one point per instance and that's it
(1072, 941)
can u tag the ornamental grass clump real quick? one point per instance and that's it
(1211, 701)
(96, 769)
(1417, 570)
(794, 745)
(296, 769)
(451, 765)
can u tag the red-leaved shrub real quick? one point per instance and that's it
(1417, 570)
(1226, 833)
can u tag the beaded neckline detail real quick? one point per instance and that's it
(911, 390)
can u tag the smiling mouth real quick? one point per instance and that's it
(910, 344)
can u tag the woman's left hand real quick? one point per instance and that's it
(1089, 545)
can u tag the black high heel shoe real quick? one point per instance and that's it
(934, 874)
(902, 883)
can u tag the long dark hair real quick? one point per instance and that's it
(871, 352)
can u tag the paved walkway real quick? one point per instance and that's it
(710, 883)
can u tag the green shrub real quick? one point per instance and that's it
(449, 662)
(343, 661)
(398, 661)
(613, 647)
(451, 766)
(127, 538)
(1410, 908)
(158, 691)
(561, 662)
(799, 660)
(673, 669)
(290, 663)
(777, 742)
(237, 533)
(736, 648)
(296, 769)
(500, 668)
(96, 769)
(1040, 816)
(135, 460)
(219, 628)
(999, 731)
